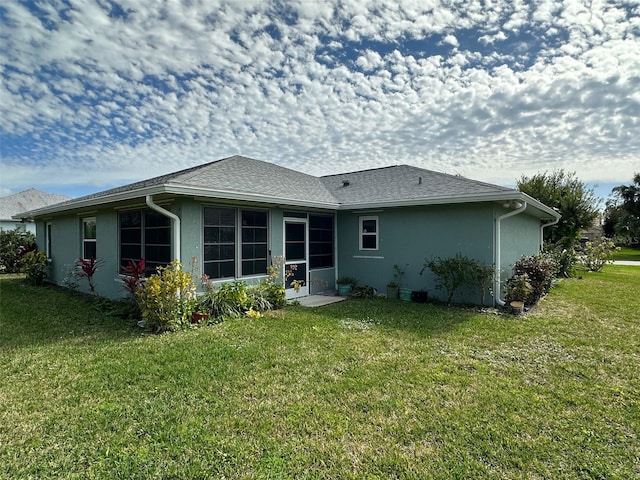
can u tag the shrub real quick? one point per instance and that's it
(540, 271)
(564, 260)
(257, 299)
(274, 293)
(33, 265)
(167, 299)
(596, 255)
(14, 244)
(228, 300)
(347, 281)
(454, 272)
(364, 291)
(481, 277)
(70, 276)
(518, 288)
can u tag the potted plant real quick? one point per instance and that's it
(404, 293)
(393, 287)
(345, 285)
(392, 290)
(517, 291)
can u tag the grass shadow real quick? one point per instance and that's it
(420, 319)
(37, 315)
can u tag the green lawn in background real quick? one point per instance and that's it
(358, 389)
(627, 253)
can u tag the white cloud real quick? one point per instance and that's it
(169, 86)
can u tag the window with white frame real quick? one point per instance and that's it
(229, 250)
(368, 233)
(89, 249)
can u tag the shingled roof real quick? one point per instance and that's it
(404, 184)
(242, 178)
(27, 200)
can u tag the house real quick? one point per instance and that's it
(11, 205)
(232, 218)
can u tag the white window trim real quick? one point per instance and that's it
(361, 220)
(85, 240)
(237, 241)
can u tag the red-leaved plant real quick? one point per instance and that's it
(133, 276)
(87, 269)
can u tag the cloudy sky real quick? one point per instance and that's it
(96, 94)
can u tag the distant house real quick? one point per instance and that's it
(234, 217)
(31, 199)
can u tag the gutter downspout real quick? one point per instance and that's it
(176, 224)
(496, 281)
(542, 227)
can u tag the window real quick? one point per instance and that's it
(223, 240)
(89, 249)
(219, 242)
(145, 234)
(320, 241)
(254, 243)
(47, 240)
(368, 233)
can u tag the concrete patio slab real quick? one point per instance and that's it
(319, 300)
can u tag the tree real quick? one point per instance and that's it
(14, 244)
(564, 192)
(622, 215)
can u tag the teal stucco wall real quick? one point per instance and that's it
(408, 236)
(520, 236)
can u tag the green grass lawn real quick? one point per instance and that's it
(358, 389)
(627, 253)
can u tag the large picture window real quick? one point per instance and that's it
(225, 242)
(320, 241)
(89, 249)
(368, 233)
(145, 234)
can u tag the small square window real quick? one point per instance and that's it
(368, 233)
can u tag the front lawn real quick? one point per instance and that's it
(627, 253)
(357, 389)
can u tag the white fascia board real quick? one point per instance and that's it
(492, 197)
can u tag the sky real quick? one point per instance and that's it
(97, 94)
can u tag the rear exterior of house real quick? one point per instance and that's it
(225, 241)
(233, 218)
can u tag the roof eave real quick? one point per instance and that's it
(91, 202)
(476, 198)
(175, 190)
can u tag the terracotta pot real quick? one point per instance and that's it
(197, 317)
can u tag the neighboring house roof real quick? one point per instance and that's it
(246, 179)
(27, 200)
